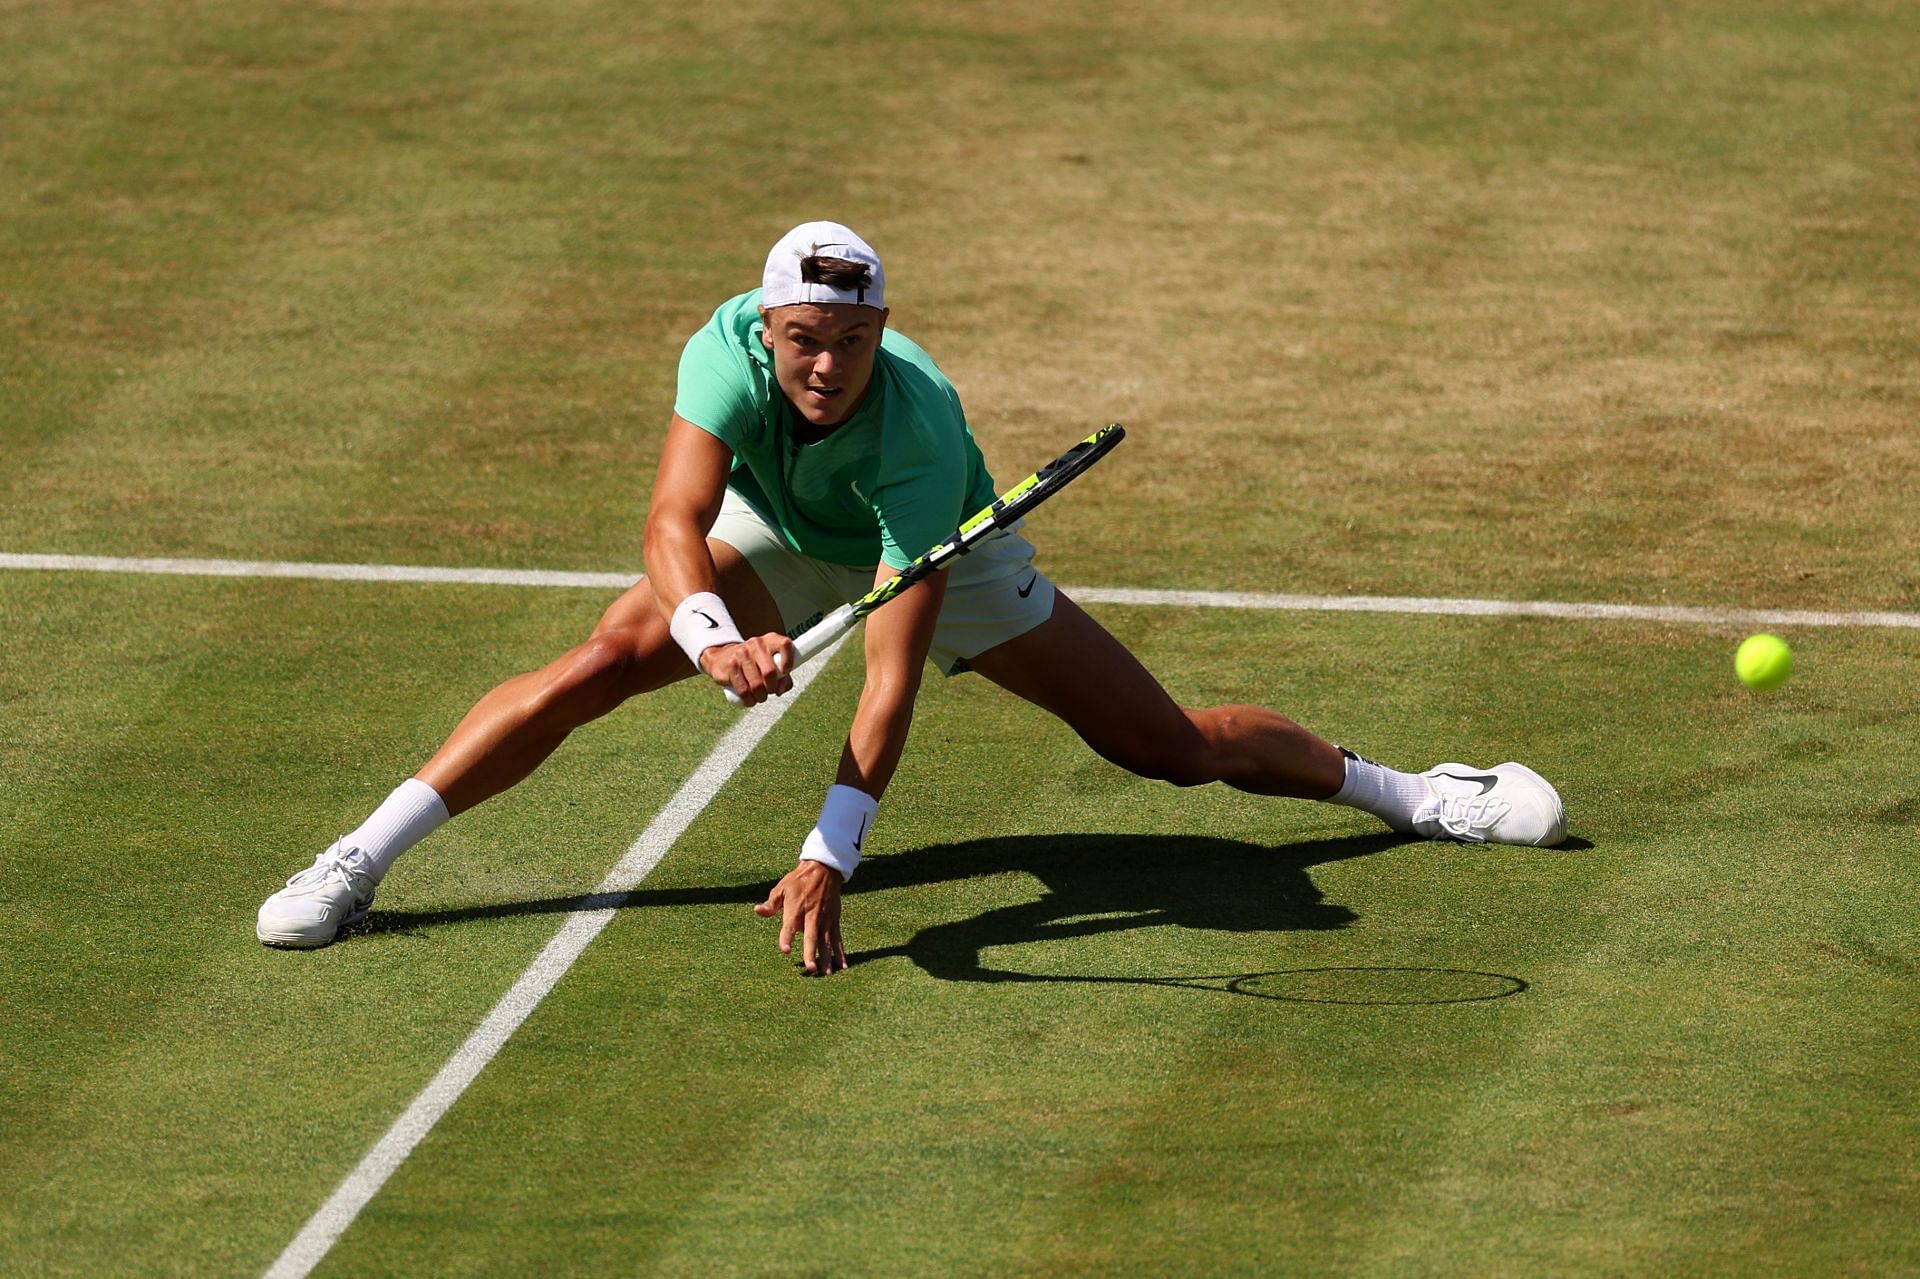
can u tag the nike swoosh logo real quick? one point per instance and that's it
(1028, 588)
(861, 837)
(711, 624)
(1486, 781)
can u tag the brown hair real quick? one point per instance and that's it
(837, 273)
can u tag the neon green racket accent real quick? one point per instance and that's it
(1007, 508)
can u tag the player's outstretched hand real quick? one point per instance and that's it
(754, 669)
(807, 900)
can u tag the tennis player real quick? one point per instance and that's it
(813, 453)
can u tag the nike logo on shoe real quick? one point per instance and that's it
(1487, 782)
(1027, 590)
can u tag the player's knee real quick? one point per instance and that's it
(1178, 758)
(1187, 769)
(595, 677)
(1181, 772)
(633, 611)
(1196, 752)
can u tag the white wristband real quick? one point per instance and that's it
(700, 622)
(845, 819)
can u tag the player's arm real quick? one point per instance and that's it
(807, 899)
(898, 638)
(687, 492)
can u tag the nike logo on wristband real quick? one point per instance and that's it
(711, 624)
(861, 837)
(1027, 590)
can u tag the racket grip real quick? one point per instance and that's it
(812, 642)
(820, 637)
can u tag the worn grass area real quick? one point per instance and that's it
(1609, 302)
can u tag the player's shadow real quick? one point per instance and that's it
(1103, 884)
(1094, 884)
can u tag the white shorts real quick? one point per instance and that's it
(993, 592)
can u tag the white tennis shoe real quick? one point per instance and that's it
(1506, 804)
(331, 894)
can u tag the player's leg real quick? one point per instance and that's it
(505, 736)
(1071, 666)
(514, 728)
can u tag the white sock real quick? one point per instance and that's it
(413, 812)
(1388, 794)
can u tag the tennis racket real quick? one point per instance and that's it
(988, 523)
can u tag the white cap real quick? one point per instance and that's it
(781, 285)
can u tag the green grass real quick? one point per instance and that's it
(1608, 302)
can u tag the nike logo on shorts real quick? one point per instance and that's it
(1027, 590)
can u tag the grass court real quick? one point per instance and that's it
(1610, 303)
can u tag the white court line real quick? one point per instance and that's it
(326, 1226)
(320, 572)
(1088, 595)
(1494, 608)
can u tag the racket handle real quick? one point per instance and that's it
(813, 641)
(820, 637)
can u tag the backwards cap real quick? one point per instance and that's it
(781, 285)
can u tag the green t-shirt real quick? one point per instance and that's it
(887, 484)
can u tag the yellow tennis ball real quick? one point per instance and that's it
(1763, 662)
